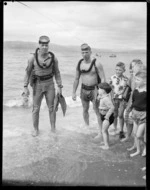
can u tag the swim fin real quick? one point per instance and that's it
(63, 104)
(56, 102)
(59, 99)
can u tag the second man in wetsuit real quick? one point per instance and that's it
(89, 71)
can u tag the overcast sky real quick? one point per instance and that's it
(112, 25)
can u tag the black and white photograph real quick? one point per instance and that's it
(74, 93)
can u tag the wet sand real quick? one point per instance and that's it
(69, 157)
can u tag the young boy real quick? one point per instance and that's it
(118, 83)
(135, 66)
(106, 109)
(139, 112)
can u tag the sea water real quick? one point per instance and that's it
(73, 142)
(15, 62)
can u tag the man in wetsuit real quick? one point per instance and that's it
(89, 80)
(44, 64)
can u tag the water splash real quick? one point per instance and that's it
(19, 102)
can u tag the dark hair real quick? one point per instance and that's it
(105, 86)
(85, 47)
(121, 64)
(45, 38)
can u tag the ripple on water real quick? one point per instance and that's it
(65, 145)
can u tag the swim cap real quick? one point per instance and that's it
(44, 40)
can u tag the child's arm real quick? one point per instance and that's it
(112, 92)
(111, 107)
(129, 105)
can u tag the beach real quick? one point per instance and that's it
(69, 157)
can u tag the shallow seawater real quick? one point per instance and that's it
(68, 157)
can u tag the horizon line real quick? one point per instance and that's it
(77, 46)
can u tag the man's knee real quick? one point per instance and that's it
(85, 106)
(51, 109)
(85, 110)
(95, 107)
(36, 109)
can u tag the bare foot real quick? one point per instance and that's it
(104, 147)
(134, 154)
(144, 177)
(143, 169)
(97, 140)
(53, 130)
(35, 133)
(125, 139)
(98, 136)
(132, 148)
(144, 152)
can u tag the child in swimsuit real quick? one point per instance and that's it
(139, 112)
(106, 109)
(135, 66)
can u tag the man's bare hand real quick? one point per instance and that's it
(74, 96)
(59, 90)
(26, 91)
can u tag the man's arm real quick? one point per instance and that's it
(29, 69)
(100, 71)
(57, 73)
(75, 84)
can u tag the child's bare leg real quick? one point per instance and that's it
(144, 151)
(135, 127)
(121, 122)
(129, 131)
(105, 134)
(139, 134)
(129, 124)
(116, 104)
(121, 119)
(137, 143)
(115, 123)
(133, 147)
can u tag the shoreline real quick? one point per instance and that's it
(69, 157)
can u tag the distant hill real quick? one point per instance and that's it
(34, 45)
(60, 48)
